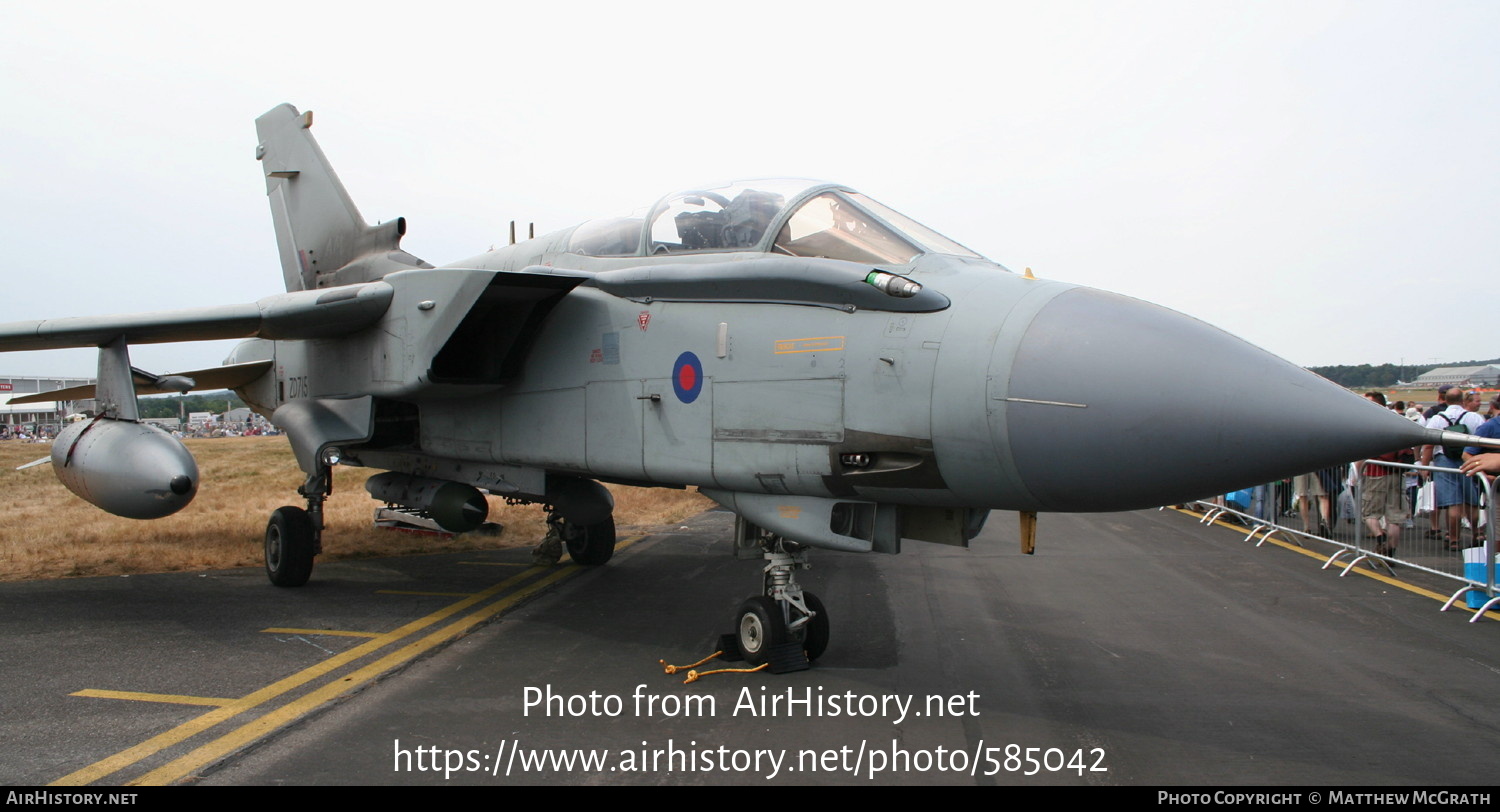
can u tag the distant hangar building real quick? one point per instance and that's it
(48, 412)
(1486, 376)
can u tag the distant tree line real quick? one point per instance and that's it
(1383, 375)
(167, 405)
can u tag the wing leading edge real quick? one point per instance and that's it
(297, 315)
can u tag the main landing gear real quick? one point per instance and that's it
(588, 544)
(294, 535)
(785, 626)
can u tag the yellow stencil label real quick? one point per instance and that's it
(784, 346)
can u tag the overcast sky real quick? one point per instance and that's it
(1316, 177)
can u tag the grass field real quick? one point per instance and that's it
(47, 532)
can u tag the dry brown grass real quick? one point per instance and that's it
(47, 532)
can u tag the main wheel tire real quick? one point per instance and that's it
(759, 627)
(289, 547)
(815, 631)
(590, 544)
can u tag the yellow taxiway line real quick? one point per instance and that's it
(273, 720)
(292, 711)
(325, 632)
(139, 696)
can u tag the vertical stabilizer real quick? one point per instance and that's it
(322, 239)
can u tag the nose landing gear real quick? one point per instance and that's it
(784, 626)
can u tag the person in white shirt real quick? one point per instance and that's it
(1457, 497)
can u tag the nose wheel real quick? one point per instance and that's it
(785, 627)
(760, 628)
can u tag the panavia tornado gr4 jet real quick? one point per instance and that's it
(833, 372)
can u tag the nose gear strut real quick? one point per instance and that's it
(784, 626)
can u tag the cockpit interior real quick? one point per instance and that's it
(792, 217)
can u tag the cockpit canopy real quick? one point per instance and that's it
(799, 218)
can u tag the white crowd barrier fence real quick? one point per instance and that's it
(1324, 507)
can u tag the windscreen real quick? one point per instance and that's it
(830, 226)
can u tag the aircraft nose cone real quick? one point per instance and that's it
(1111, 403)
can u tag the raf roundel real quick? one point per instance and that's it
(687, 377)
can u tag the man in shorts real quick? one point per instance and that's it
(1380, 495)
(1457, 495)
(1312, 504)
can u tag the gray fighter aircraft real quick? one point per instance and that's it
(835, 373)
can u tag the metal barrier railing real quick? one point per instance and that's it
(1328, 506)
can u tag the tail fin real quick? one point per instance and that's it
(323, 240)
